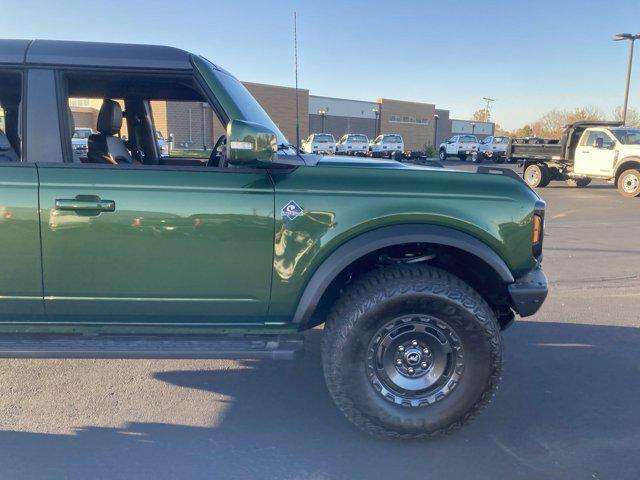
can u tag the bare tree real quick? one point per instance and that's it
(480, 115)
(633, 117)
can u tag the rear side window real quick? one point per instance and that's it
(10, 104)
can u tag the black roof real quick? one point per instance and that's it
(93, 54)
(594, 123)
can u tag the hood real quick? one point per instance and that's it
(365, 162)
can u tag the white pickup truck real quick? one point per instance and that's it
(493, 148)
(353, 144)
(319, 143)
(587, 150)
(461, 146)
(388, 145)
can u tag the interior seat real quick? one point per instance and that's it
(7, 153)
(105, 146)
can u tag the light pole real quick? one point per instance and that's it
(435, 129)
(376, 112)
(204, 126)
(473, 128)
(323, 115)
(632, 38)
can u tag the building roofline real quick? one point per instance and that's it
(274, 86)
(343, 99)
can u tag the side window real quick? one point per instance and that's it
(145, 120)
(589, 139)
(10, 104)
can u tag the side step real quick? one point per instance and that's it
(274, 347)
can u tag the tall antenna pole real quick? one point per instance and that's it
(488, 107)
(295, 54)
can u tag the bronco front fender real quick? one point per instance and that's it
(384, 237)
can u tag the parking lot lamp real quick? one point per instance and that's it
(435, 129)
(473, 128)
(323, 115)
(632, 38)
(376, 112)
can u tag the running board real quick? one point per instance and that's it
(274, 347)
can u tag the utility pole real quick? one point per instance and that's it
(487, 109)
(295, 53)
(632, 39)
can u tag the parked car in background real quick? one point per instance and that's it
(353, 144)
(319, 143)
(388, 145)
(163, 144)
(494, 148)
(461, 146)
(587, 150)
(80, 140)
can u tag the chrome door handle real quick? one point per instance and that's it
(85, 204)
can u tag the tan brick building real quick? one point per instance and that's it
(414, 121)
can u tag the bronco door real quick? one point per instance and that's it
(148, 238)
(160, 242)
(21, 275)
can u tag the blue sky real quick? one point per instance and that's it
(532, 56)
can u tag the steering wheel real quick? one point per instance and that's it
(218, 157)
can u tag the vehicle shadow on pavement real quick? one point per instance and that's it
(567, 408)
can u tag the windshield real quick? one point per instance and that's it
(358, 138)
(627, 136)
(234, 98)
(323, 138)
(468, 139)
(82, 133)
(393, 138)
(500, 139)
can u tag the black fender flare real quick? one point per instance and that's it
(622, 163)
(383, 237)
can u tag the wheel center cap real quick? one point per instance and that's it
(413, 356)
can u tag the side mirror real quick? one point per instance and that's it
(250, 144)
(598, 142)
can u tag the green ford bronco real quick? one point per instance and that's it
(119, 251)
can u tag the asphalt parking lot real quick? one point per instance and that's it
(567, 407)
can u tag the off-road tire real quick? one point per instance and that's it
(631, 175)
(442, 155)
(537, 176)
(578, 182)
(462, 157)
(373, 301)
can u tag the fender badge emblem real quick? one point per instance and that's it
(291, 210)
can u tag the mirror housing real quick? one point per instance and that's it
(250, 144)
